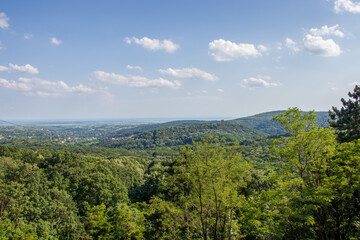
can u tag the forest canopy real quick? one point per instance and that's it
(303, 184)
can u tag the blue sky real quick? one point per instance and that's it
(175, 59)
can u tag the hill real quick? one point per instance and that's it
(263, 122)
(153, 126)
(175, 136)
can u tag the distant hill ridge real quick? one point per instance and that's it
(263, 121)
(184, 132)
(153, 126)
(175, 136)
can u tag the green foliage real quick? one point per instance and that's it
(47, 194)
(128, 223)
(205, 193)
(177, 136)
(304, 186)
(264, 122)
(97, 224)
(149, 127)
(346, 121)
(30, 206)
(318, 183)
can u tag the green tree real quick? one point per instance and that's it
(128, 223)
(346, 121)
(343, 186)
(97, 223)
(207, 182)
(306, 157)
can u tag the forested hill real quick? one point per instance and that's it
(175, 136)
(263, 122)
(152, 126)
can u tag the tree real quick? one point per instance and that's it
(128, 223)
(306, 157)
(346, 121)
(207, 181)
(97, 223)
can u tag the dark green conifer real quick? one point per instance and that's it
(346, 120)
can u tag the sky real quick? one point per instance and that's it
(175, 59)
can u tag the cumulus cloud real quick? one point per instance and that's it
(39, 87)
(134, 67)
(4, 21)
(220, 90)
(154, 44)
(316, 45)
(16, 68)
(224, 51)
(135, 81)
(347, 6)
(258, 82)
(55, 41)
(289, 43)
(325, 30)
(189, 73)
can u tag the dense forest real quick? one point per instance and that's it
(280, 175)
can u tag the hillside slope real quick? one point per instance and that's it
(263, 122)
(175, 136)
(153, 126)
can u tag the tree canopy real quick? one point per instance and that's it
(346, 120)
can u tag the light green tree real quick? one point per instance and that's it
(306, 157)
(128, 222)
(208, 179)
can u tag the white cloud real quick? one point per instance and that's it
(220, 90)
(154, 44)
(16, 68)
(258, 82)
(224, 51)
(289, 43)
(134, 67)
(28, 36)
(347, 5)
(55, 41)
(36, 86)
(316, 45)
(262, 48)
(27, 68)
(4, 21)
(135, 81)
(189, 73)
(325, 30)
